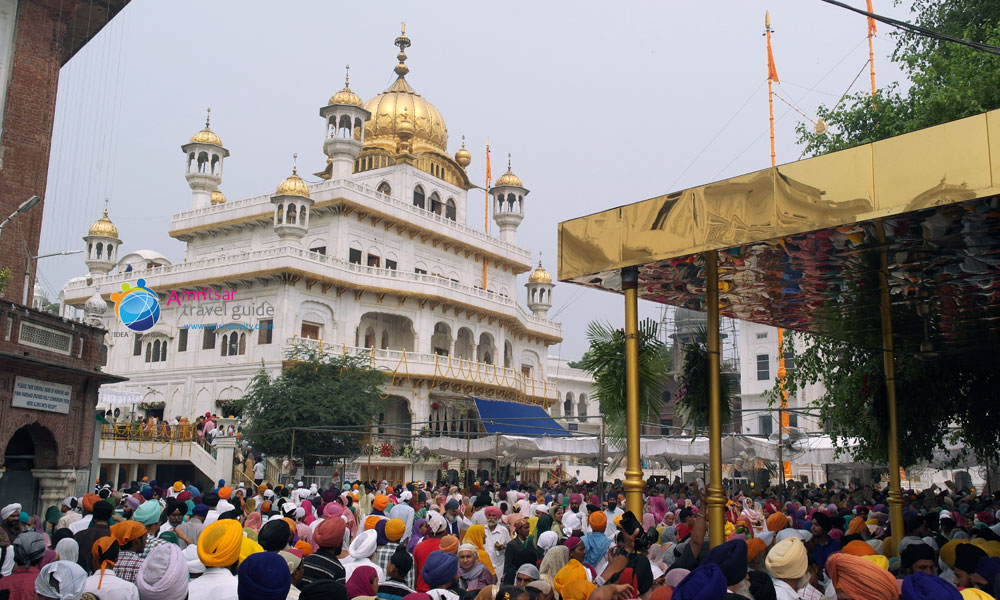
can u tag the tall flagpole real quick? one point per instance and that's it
(872, 29)
(783, 420)
(486, 205)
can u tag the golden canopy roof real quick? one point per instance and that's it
(293, 186)
(218, 197)
(400, 103)
(539, 275)
(103, 227)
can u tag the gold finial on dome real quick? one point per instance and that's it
(346, 95)
(509, 178)
(218, 197)
(463, 157)
(403, 43)
(103, 226)
(293, 185)
(206, 135)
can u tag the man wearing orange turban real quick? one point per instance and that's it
(860, 578)
(858, 548)
(756, 551)
(598, 521)
(131, 537)
(777, 522)
(104, 583)
(219, 547)
(379, 504)
(449, 544)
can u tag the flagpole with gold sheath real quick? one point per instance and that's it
(486, 204)
(872, 29)
(783, 420)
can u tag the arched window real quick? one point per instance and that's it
(203, 162)
(435, 203)
(109, 249)
(418, 197)
(302, 215)
(156, 351)
(149, 349)
(290, 215)
(234, 344)
(280, 214)
(163, 351)
(216, 163)
(581, 409)
(370, 337)
(225, 344)
(385, 188)
(385, 340)
(568, 405)
(450, 211)
(243, 344)
(90, 249)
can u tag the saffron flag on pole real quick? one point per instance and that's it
(872, 29)
(772, 71)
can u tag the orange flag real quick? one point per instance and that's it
(489, 174)
(871, 22)
(772, 71)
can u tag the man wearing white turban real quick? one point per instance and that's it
(361, 551)
(163, 575)
(61, 580)
(10, 523)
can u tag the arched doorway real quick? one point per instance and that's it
(31, 447)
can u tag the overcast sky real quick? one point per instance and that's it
(600, 104)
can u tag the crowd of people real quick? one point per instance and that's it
(426, 541)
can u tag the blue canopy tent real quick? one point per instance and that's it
(513, 418)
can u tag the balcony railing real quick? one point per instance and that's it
(159, 433)
(401, 363)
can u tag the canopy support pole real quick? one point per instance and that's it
(600, 465)
(889, 360)
(716, 496)
(634, 483)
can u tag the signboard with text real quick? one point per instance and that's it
(42, 395)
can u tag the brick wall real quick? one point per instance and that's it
(28, 118)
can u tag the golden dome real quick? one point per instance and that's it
(463, 157)
(539, 275)
(346, 96)
(509, 178)
(388, 109)
(218, 197)
(293, 186)
(206, 135)
(103, 227)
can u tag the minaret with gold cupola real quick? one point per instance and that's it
(539, 288)
(102, 245)
(292, 205)
(345, 117)
(508, 204)
(204, 165)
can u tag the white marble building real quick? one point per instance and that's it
(376, 258)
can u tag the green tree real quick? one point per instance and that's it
(692, 395)
(314, 390)
(605, 361)
(947, 81)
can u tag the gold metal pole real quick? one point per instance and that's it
(888, 356)
(716, 496)
(634, 483)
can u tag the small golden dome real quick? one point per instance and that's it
(509, 178)
(346, 96)
(539, 275)
(218, 197)
(206, 135)
(387, 114)
(293, 186)
(103, 227)
(463, 157)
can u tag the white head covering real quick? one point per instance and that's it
(435, 521)
(68, 501)
(364, 545)
(68, 549)
(405, 496)
(788, 532)
(63, 580)
(163, 574)
(10, 509)
(547, 540)
(571, 522)
(194, 564)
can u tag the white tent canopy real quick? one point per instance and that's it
(111, 398)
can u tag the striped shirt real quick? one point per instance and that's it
(321, 565)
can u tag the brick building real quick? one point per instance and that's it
(49, 367)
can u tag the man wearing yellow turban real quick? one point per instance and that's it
(573, 571)
(220, 546)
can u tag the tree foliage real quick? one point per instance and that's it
(314, 390)
(947, 81)
(605, 361)
(692, 395)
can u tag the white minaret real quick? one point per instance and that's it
(345, 118)
(102, 245)
(508, 204)
(539, 288)
(204, 155)
(292, 205)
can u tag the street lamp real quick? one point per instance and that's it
(25, 207)
(27, 266)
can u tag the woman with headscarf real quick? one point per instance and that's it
(476, 535)
(362, 583)
(67, 549)
(472, 572)
(418, 533)
(553, 562)
(556, 512)
(253, 521)
(163, 574)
